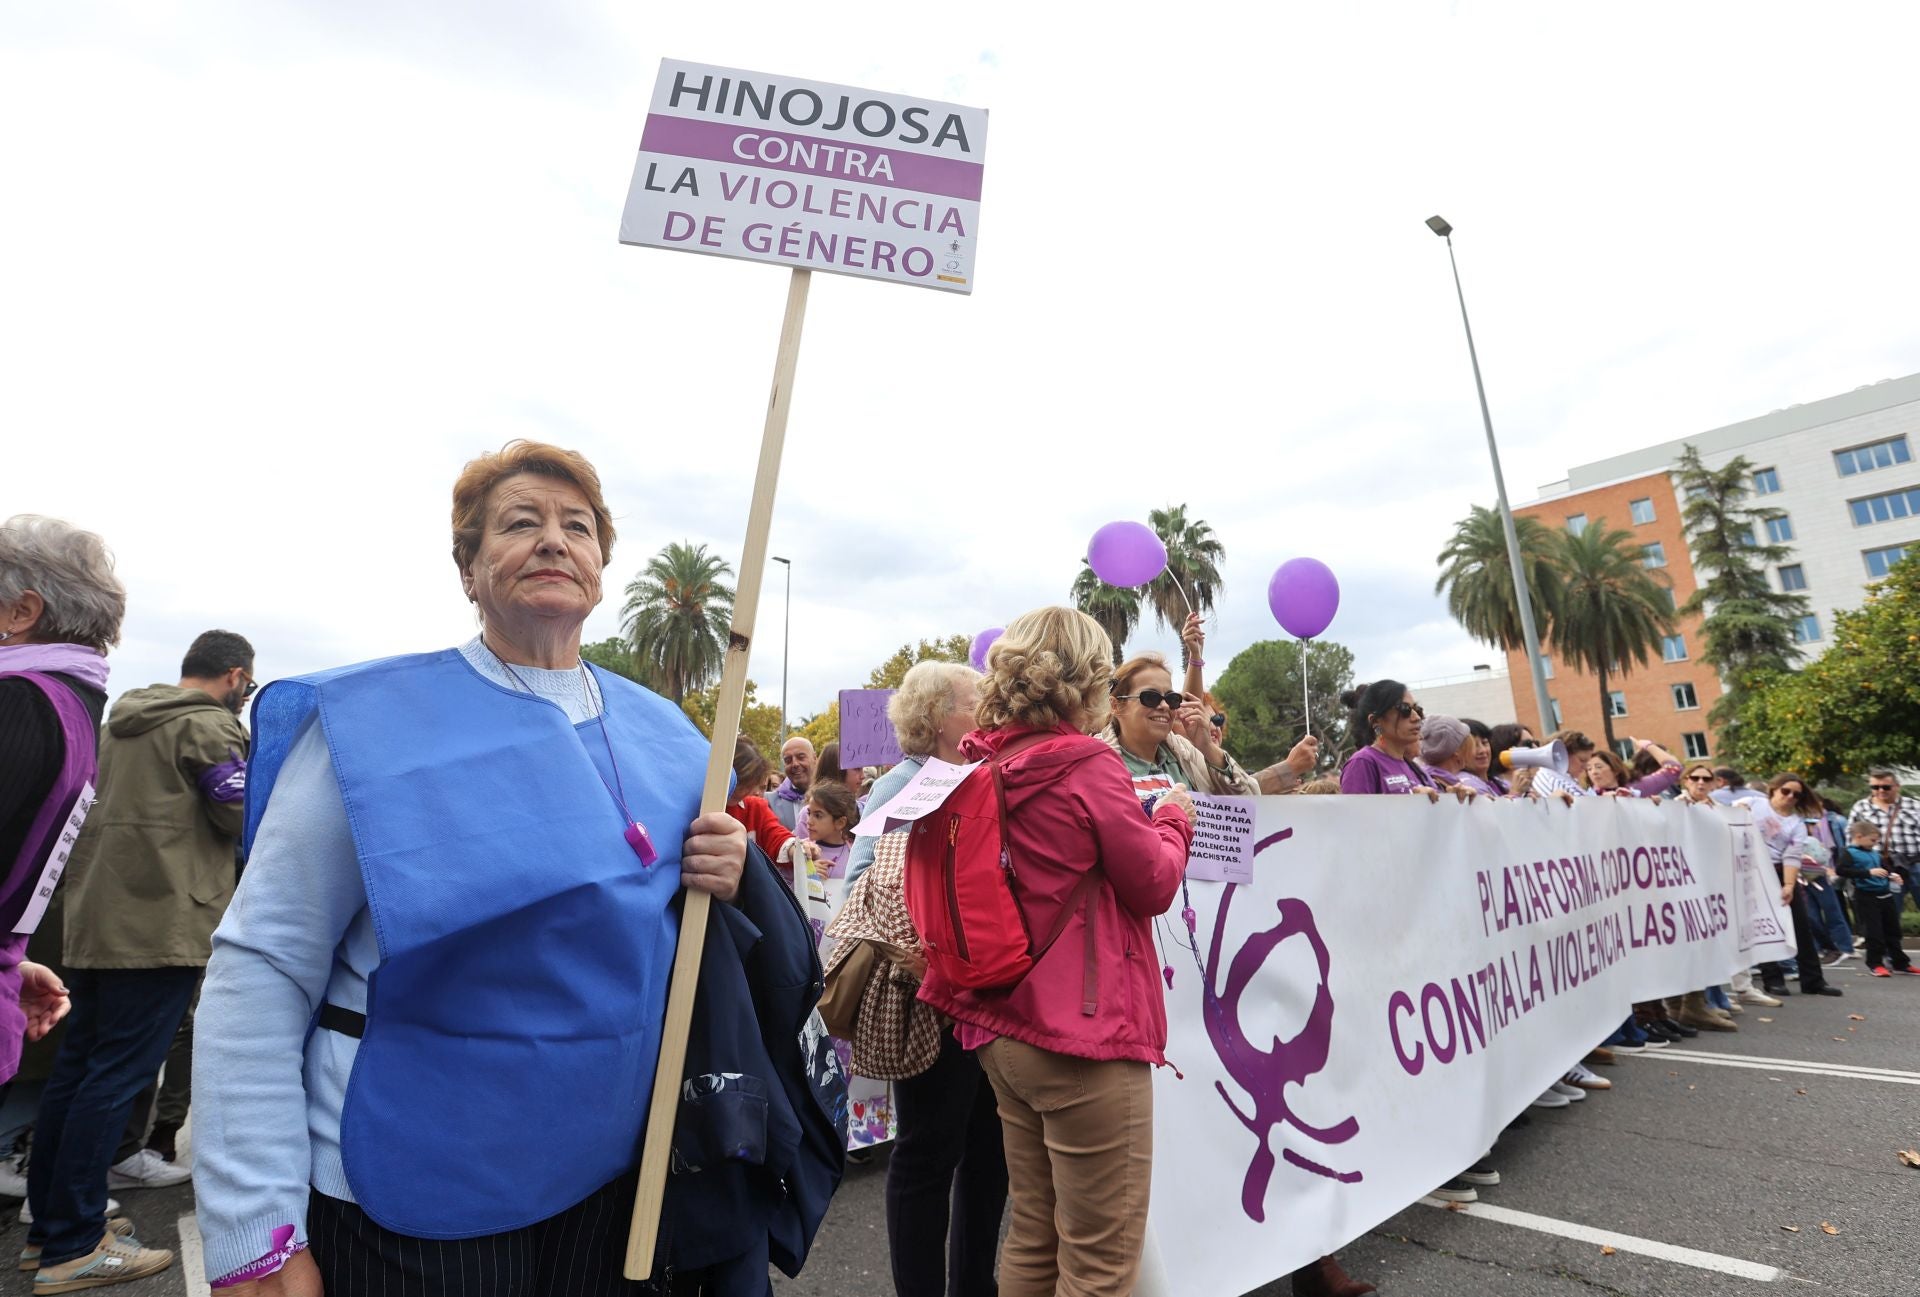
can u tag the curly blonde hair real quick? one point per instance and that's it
(1052, 665)
(922, 703)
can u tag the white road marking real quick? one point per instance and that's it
(1618, 1242)
(193, 1258)
(1799, 1067)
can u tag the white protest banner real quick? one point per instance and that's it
(1398, 982)
(1222, 848)
(809, 175)
(922, 795)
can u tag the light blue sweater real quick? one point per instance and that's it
(883, 789)
(267, 1098)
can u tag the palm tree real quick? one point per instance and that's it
(1477, 577)
(678, 617)
(1116, 609)
(1612, 611)
(1194, 557)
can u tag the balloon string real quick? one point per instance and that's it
(1183, 594)
(1306, 687)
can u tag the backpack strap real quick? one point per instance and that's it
(1081, 898)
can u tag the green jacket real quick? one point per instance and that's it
(154, 867)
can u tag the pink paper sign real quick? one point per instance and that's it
(866, 735)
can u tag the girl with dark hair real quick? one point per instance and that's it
(1386, 711)
(1501, 739)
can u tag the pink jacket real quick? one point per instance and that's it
(1096, 993)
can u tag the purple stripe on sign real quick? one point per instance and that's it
(810, 155)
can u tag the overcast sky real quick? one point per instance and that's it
(275, 271)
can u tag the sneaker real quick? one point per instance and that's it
(30, 1254)
(1629, 1047)
(1552, 1098)
(26, 1211)
(1840, 957)
(1755, 996)
(1859, 943)
(1677, 1028)
(1571, 1093)
(1587, 1079)
(1734, 1009)
(1455, 1190)
(1707, 1020)
(1911, 971)
(116, 1260)
(1480, 1173)
(165, 1141)
(13, 1176)
(1602, 1056)
(1878, 971)
(146, 1170)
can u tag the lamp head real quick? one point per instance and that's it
(1438, 224)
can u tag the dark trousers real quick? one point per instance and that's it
(122, 1021)
(949, 1149)
(1879, 916)
(575, 1254)
(162, 1104)
(1807, 954)
(1828, 921)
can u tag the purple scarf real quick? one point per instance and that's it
(83, 664)
(787, 792)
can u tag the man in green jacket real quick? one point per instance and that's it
(148, 882)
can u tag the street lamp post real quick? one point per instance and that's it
(1523, 594)
(786, 644)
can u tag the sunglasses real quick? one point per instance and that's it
(251, 686)
(1699, 779)
(1409, 709)
(1218, 718)
(1152, 698)
(1883, 788)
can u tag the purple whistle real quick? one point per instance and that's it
(642, 844)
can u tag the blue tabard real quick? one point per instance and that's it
(514, 1019)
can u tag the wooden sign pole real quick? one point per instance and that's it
(644, 1234)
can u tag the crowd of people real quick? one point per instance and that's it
(335, 889)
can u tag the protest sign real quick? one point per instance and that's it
(1397, 983)
(1222, 849)
(809, 175)
(922, 795)
(866, 735)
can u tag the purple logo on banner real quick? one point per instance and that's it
(866, 735)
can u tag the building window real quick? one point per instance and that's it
(1546, 666)
(1780, 530)
(1653, 554)
(1616, 702)
(1685, 699)
(1642, 510)
(1793, 577)
(1766, 481)
(1878, 454)
(1553, 705)
(1576, 523)
(1695, 746)
(1879, 560)
(1673, 648)
(1623, 748)
(1885, 508)
(1806, 630)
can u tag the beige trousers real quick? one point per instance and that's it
(1079, 1137)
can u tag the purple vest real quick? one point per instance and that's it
(78, 765)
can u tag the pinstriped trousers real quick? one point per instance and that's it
(575, 1254)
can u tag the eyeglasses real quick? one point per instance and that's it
(1409, 709)
(250, 687)
(1218, 719)
(1699, 779)
(1152, 698)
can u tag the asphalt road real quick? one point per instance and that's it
(1684, 1151)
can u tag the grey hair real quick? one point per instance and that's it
(1884, 772)
(72, 572)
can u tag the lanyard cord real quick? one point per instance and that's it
(598, 702)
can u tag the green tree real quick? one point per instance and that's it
(1261, 691)
(1748, 625)
(1194, 556)
(613, 655)
(821, 728)
(759, 721)
(1611, 611)
(1858, 704)
(678, 617)
(1477, 577)
(1116, 608)
(889, 674)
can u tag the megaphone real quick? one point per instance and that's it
(1551, 757)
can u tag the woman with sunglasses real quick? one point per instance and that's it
(1386, 710)
(1165, 737)
(1785, 832)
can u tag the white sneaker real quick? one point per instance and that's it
(26, 1212)
(13, 1177)
(146, 1170)
(1571, 1093)
(1754, 995)
(1552, 1098)
(1841, 958)
(1587, 1079)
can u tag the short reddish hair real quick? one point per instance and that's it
(477, 480)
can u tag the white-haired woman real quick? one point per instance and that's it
(60, 610)
(948, 1149)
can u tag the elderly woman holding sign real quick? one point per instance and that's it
(454, 928)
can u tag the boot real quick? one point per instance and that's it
(1325, 1278)
(1696, 1012)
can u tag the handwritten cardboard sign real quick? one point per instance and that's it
(866, 735)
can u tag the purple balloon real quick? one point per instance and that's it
(1304, 596)
(1126, 554)
(981, 643)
